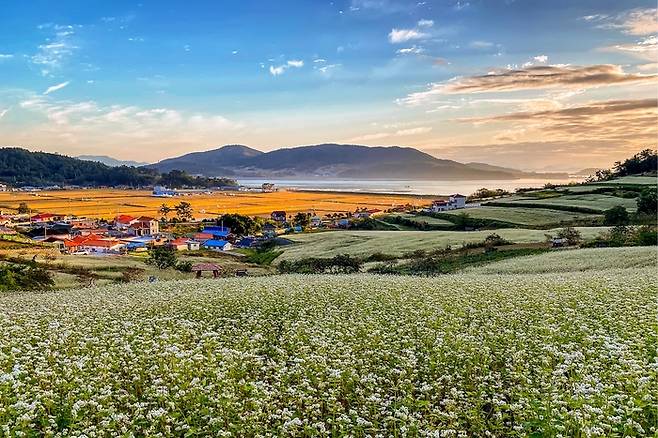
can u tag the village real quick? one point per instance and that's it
(126, 234)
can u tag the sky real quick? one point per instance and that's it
(541, 85)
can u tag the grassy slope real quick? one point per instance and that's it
(524, 216)
(593, 201)
(363, 243)
(591, 259)
(389, 355)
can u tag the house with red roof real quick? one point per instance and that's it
(144, 226)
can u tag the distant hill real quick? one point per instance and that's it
(332, 161)
(222, 161)
(20, 167)
(109, 161)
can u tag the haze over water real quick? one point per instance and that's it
(402, 186)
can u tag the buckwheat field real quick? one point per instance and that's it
(563, 354)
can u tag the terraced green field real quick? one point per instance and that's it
(630, 181)
(525, 216)
(596, 202)
(462, 355)
(591, 259)
(364, 243)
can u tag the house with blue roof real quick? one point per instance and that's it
(217, 231)
(217, 245)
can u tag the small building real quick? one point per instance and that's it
(202, 237)
(199, 268)
(217, 245)
(267, 187)
(6, 231)
(439, 206)
(270, 230)
(193, 245)
(144, 226)
(102, 246)
(278, 216)
(316, 221)
(44, 217)
(163, 192)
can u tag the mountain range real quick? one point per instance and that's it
(341, 161)
(109, 161)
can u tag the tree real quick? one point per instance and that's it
(239, 224)
(302, 219)
(23, 208)
(162, 257)
(21, 277)
(616, 216)
(165, 210)
(184, 211)
(571, 235)
(647, 201)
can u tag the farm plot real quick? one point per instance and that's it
(364, 243)
(594, 202)
(525, 216)
(591, 259)
(549, 355)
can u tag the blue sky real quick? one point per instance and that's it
(146, 80)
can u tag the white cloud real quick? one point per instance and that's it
(643, 49)
(411, 51)
(56, 87)
(320, 60)
(397, 36)
(399, 133)
(481, 44)
(281, 69)
(542, 59)
(5, 56)
(426, 23)
(56, 50)
(3, 112)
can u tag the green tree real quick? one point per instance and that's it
(647, 202)
(302, 219)
(184, 211)
(21, 277)
(162, 257)
(239, 224)
(23, 208)
(571, 235)
(165, 210)
(616, 216)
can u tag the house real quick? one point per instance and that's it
(457, 201)
(316, 221)
(217, 232)
(278, 216)
(202, 237)
(44, 217)
(102, 246)
(438, 206)
(267, 187)
(217, 245)
(123, 221)
(246, 242)
(163, 192)
(269, 230)
(193, 245)
(179, 244)
(6, 231)
(454, 202)
(363, 214)
(144, 226)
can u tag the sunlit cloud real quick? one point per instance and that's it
(531, 78)
(622, 120)
(57, 49)
(633, 22)
(281, 69)
(399, 133)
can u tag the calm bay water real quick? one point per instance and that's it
(407, 187)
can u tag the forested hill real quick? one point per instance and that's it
(20, 167)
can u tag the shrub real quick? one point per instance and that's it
(572, 235)
(616, 216)
(21, 277)
(162, 257)
(647, 201)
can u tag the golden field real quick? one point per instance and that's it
(107, 203)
